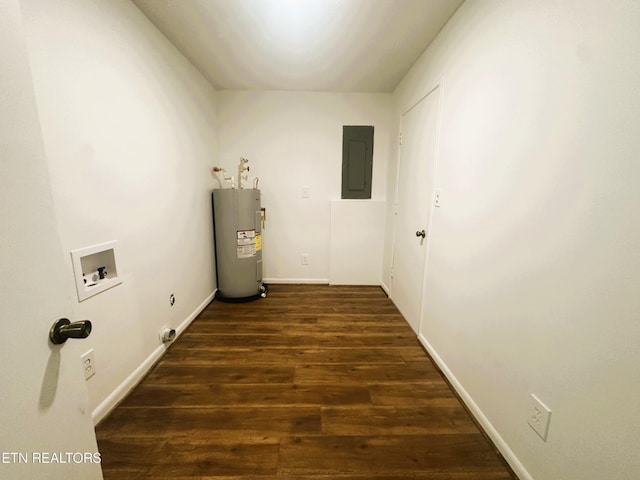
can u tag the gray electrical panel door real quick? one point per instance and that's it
(238, 242)
(357, 161)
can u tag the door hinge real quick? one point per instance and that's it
(400, 139)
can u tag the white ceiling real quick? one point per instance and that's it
(313, 45)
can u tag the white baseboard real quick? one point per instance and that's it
(311, 281)
(112, 400)
(386, 289)
(473, 407)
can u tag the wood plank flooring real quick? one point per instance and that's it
(310, 383)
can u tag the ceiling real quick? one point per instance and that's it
(311, 45)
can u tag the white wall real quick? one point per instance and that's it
(129, 130)
(294, 140)
(534, 262)
(356, 242)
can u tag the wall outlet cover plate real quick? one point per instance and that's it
(539, 417)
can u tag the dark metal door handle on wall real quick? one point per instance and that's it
(63, 329)
(421, 233)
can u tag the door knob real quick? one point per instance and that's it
(63, 329)
(421, 233)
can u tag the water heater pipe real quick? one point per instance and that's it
(226, 178)
(242, 167)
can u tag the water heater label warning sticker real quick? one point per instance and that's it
(246, 246)
(258, 242)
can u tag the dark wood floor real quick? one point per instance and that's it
(311, 383)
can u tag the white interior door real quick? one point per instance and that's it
(413, 205)
(46, 431)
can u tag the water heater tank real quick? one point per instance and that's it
(238, 244)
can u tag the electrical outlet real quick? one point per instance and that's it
(88, 364)
(304, 259)
(539, 417)
(436, 198)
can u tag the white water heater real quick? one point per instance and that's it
(237, 220)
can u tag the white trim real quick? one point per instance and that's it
(385, 288)
(313, 281)
(473, 407)
(112, 400)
